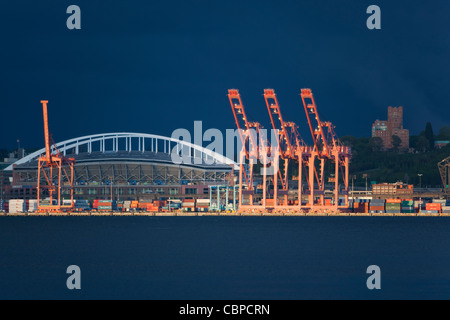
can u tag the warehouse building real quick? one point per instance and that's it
(397, 190)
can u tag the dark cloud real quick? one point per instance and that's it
(145, 66)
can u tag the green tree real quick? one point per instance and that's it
(376, 144)
(3, 154)
(413, 141)
(429, 134)
(396, 142)
(422, 144)
(444, 133)
(348, 140)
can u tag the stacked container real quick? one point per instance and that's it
(134, 205)
(361, 206)
(446, 207)
(203, 205)
(95, 204)
(188, 205)
(82, 205)
(393, 205)
(442, 202)
(126, 205)
(153, 207)
(106, 205)
(433, 208)
(32, 205)
(159, 203)
(377, 206)
(17, 206)
(174, 205)
(408, 206)
(142, 206)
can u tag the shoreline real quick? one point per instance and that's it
(217, 214)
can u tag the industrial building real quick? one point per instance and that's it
(130, 166)
(397, 190)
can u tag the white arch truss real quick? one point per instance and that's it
(154, 143)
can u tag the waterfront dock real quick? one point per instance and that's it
(216, 214)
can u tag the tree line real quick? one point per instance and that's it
(397, 165)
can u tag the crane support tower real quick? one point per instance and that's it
(444, 170)
(327, 147)
(54, 170)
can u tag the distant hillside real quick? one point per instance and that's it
(389, 166)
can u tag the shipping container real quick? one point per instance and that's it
(17, 206)
(433, 207)
(393, 201)
(393, 211)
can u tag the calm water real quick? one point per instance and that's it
(224, 258)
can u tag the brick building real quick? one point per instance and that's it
(393, 126)
(397, 190)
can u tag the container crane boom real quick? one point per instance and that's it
(283, 137)
(48, 155)
(318, 134)
(242, 123)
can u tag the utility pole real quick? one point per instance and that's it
(420, 192)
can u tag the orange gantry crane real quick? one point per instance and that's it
(49, 164)
(250, 134)
(291, 147)
(327, 147)
(247, 137)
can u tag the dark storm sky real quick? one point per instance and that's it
(154, 66)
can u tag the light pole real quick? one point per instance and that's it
(365, 176)
(111, 182)
(1, 188)
(420, 192)
(353, 188)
